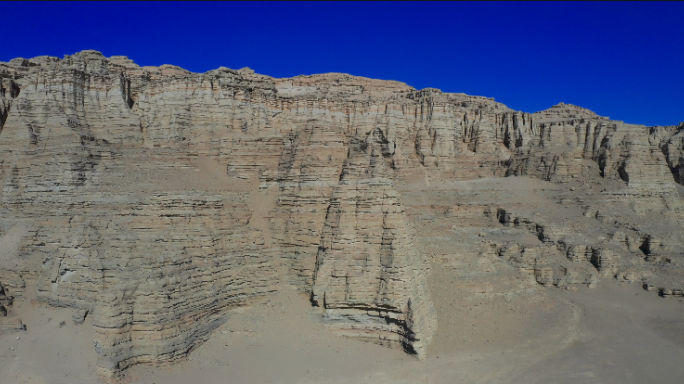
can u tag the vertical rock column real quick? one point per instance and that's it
(369, 279)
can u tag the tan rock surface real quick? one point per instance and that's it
(154, 202)
(370, 277)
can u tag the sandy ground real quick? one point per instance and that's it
(51, 350)
(617, 333)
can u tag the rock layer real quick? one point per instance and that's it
(369, 277)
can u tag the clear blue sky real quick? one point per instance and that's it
(623, 60)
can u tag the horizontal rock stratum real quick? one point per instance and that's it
(156, 200)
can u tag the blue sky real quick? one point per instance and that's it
(623, 60)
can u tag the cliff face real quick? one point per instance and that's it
(157, 200)
(369, 276)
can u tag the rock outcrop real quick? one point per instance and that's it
(369, 277)
(157, 200)
(8, 319)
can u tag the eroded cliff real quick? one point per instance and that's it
(157, 200)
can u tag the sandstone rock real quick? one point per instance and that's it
(144, 191)
(79, 316)
(369, 278)
(8, 320)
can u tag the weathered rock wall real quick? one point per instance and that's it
(97, 157)
(369, 276)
